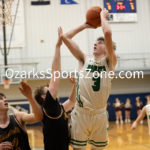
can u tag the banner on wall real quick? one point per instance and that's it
(68, 2)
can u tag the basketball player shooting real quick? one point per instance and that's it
(89, 120)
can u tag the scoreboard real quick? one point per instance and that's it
(121, 10)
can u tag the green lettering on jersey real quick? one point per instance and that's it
(94, 68)
(97, 80)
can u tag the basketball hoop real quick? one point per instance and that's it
(6, 84)
(5, 11)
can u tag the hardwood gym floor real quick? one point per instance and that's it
(120, 137)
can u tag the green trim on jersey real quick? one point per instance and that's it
(78, 95)
(78, 143)
(98, 144)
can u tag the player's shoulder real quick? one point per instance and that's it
(81, 64)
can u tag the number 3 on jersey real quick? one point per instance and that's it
(96, 86)
(96, 79)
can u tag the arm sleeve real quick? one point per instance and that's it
(51, 106)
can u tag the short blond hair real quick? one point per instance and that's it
(102, 39)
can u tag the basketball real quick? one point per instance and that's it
(93, 16)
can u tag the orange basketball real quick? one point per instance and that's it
(93, 16)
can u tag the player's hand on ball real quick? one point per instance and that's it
(104, 13)
(88, 26)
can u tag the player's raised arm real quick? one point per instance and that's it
(37, 114)
(72, 46)
(56, 67)
(112, 59)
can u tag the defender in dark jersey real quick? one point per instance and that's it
(55, 121)
(13, 135)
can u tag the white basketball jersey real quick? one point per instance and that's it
(148, 116)
(93, 88)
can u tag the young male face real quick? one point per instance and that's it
(3, 104)
(99, 48)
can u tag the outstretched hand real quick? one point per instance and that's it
(26, 90)
(60, 32)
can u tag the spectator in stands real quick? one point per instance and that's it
(147, 99)
(127, 107)
(118, 110)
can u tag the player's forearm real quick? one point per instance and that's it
(56, 64)
(105, 26)
(56, 69)
(36, 110)
(72, 96)
(70, 34)
(69, 104)
(141, 116)
(74, 49)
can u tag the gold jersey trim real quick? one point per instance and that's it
(53, 117)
